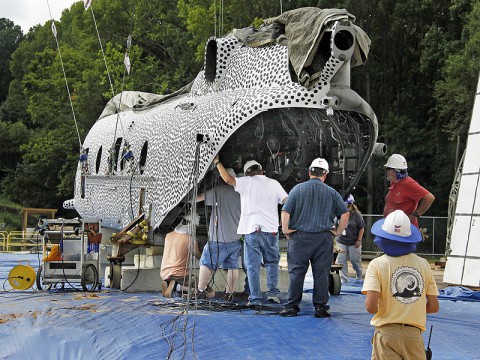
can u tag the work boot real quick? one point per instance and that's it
(288, 312)
(206, 294)
(228, 297)
(321, 312)
(274, 298)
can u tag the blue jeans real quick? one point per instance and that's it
(305, 249)
(260, 245)
(219, 254)
(354, 255)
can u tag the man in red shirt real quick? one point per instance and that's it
(405, 193)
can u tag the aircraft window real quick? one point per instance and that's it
(143, 157)
(211, 61)
(118, 143)
(99, 159)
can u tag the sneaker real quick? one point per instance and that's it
(274, 299)
(167, 288)
(320, 312)
(228, 297)
(288, 312)
(206, 294)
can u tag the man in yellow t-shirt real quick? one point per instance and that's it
(400, 290)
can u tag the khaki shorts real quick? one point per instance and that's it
(398, 341)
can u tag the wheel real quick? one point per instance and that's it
(334, 284)
(115, 276)
(89, 277)
(39, 278)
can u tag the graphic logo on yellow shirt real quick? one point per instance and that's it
(407, 284)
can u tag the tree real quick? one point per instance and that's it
(48, 157)
(10, 36)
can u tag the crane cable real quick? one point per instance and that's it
(125, 71)
(220, 26)
(54, 31)
(103, 54)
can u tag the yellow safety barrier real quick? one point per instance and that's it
(3, 240)
(24, 240)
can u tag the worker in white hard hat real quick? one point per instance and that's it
(259, 198)
(404, 192)
(400, 289)
(174, 270)
(308, 218)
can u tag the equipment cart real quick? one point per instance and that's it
(70, 254)
(334, 280)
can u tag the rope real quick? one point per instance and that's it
(221, 12)
(54, 31)
(103, 54)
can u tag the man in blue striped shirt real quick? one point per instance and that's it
(308, 217)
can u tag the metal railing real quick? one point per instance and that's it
(3, 240)
(433, 244)
(22, 241)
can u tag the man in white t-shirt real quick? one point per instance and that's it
(259, 198)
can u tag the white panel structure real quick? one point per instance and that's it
(466, 199)
(463, 260)
(246, 103)
(460, 232)
(475, 125)
(472, 153)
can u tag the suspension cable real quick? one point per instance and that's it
(103, 54)
(54, 31)
(215, 17)
(221, 17)
(125, 71)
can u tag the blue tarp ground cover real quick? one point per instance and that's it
(117, 325)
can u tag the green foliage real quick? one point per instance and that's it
(10, 36)
(37, 181)
(10, 216)
(13, 136)
(455, 91)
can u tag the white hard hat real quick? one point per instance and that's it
(195, 217)
(396, 226)
(249, 164)
(396, 161)
(319, 163)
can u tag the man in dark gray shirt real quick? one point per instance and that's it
(350, 241)
(224, 243)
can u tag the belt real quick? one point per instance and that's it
(313, 233)
(406, 325)
(264, 232)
